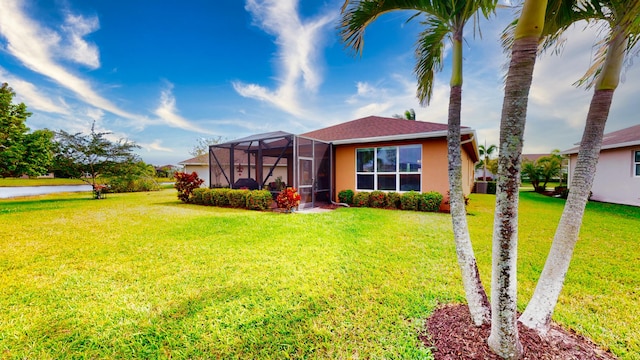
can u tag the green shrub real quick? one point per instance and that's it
(410, 200)
(361, 199)
(346, 197)
(430, 201)
(220, 197)
(197, 196)
(185, 184)
(378, 199)
(491, 187)
(123, 185)
(393, 200)
(237, 198)
(207, 197)
(258, 200)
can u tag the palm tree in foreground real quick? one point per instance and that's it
(623, 21)
(504, 337)
(443, 20)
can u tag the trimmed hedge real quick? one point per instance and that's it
(237, 198)
(225, 197)
(219, 197)
(346, 197)
(394, 201)
(430, 201)
(258, 200)
(378, 199)
(361, 199)
(411, 200)
(197, 196)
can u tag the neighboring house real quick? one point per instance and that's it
(617, 177)
(390, 154)
(214, 176)
(481, 175)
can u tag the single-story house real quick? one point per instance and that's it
(371, 153)
(617, 178)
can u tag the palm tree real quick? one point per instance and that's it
(623, 21)
(504, 338)
(442, 20)
(485, 155)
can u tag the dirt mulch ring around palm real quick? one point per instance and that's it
(452, 335)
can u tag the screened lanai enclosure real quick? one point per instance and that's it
(272, 161)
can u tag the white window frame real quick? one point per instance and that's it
(397, 171)
(636, 163)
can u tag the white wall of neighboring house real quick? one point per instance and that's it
(201, 170)
(615, 180)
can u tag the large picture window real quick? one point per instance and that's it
(389, 168)
(636, 163)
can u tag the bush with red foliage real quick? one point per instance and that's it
(186, 183)
(288, 199)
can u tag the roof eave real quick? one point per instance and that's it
(604, 147)
(423, 135)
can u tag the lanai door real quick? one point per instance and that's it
(305, 189)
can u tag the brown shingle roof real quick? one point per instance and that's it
(533, 157)
(374, 126)
(625, 137)
(198, 160)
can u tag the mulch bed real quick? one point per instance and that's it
(451, 334)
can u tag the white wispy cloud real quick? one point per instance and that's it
(156, 145)
(38, 48)
(28, 93)
(299, 43)
(78, 49)
(168, 113)
(394, 94)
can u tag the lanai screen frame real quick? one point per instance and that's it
(279, 145)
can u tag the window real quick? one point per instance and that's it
(636, 162)
(389, 168)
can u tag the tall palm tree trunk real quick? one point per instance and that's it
(504, 338)
(475, 293)
(538, 313)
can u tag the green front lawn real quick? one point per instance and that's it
(143, 276)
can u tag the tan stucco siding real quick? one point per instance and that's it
(468, 173)
(434, 165)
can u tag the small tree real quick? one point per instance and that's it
(543, 170)
(186, 183)
(202, 145)
(88, 157)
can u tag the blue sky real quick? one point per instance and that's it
(165, 73)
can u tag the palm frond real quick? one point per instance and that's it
(358, 14)
(429, 55)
